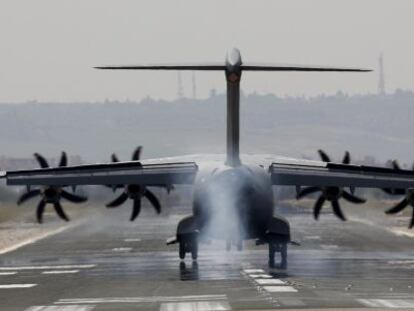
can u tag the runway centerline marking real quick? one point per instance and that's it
(11, 286)
(66, 267)
(60, 272)
(149, 299)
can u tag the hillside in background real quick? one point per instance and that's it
(368, 125)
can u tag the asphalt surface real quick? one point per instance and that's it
(107, 263)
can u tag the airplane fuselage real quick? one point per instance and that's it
(233, 202)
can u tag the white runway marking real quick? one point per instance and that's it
(61, 308)
(388, 303)
(196, 306)
(149, 299)
(280, 289)
(11, 286)
(122, 249)
(66, 267)
(60, 272)
(35, 239)
(249, 271)
(132, 240)
(8, 273)
(260, 276)
(269, 282)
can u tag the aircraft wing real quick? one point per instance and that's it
(328, 174)
(132, 172)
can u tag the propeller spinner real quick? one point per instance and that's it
(134, 192)
(404, 203)
(50, 194)
(331, 194)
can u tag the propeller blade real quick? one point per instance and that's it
(118, 201)
(394, 191)
(28, 195)
(412, 220)
(114, 158)
(153, 199)
(136, 209)
(399, 207)
(347, 158)
(324, 156)
(41, 160)
(63, 159)
(352, 198)
(40, 210)
(136, 155)
(60, 212)
(73, 197)
(318, 207)
(337, 210)
(306, 191)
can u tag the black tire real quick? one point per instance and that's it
(194, 250)
(283, 256)
(181, 250)
(272, 250)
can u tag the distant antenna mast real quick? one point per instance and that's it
(194, 85)
(381, 82)
(180, 93)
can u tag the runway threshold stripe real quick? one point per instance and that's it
(269, 282)
(196, 306)
(280, 289)
(150, 299)
(60, 272)
(249, 271)
(11, 286)
(66, 267)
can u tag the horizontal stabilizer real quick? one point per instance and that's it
(198, 66)
(288, 67)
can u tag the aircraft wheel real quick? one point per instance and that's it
(272, 250)
(194, 250)
(181, 250)
(283, 256)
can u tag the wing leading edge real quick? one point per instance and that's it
(106, 174)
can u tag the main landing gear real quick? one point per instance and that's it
(280, 248)
(188, 244)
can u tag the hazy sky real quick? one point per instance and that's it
(48, 47)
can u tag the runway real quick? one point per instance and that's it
(107, 263)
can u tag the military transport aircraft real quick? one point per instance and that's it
(233, 197)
